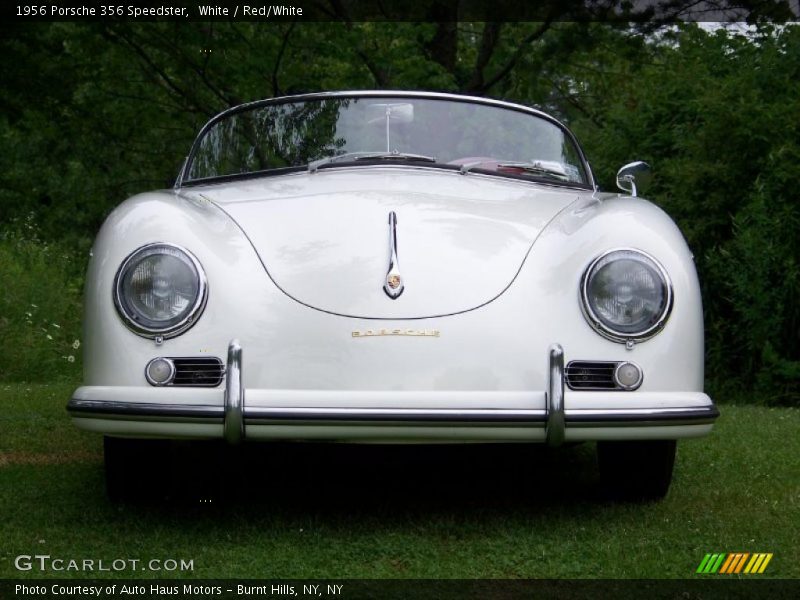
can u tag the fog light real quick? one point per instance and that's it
(628, 376)
(160, 371)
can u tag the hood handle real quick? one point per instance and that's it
(393, 283)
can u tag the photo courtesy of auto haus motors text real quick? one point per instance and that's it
(182, 590)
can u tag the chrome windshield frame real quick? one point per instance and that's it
(183, 179)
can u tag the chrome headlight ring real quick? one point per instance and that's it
(143, 325)
(605, 326)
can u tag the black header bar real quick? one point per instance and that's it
(620, 11)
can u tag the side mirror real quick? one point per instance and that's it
(632, 174)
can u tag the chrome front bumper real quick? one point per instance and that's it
(557, 422)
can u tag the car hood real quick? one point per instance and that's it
(324, 239)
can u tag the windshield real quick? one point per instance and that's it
(433, 132)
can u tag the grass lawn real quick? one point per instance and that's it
(293, 511)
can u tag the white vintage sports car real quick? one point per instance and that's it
(394, 267)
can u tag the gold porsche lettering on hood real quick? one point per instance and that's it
(360, 333)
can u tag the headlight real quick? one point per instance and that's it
(160, 290)
(626, 295)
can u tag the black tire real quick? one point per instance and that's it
(135, 469)
(636, 470)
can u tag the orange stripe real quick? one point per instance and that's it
(765, 563)
(735, 562)
(727, 562)
(741, 562)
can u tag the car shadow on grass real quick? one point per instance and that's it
(369, 478)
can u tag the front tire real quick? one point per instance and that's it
(636, 470)
(135, 469)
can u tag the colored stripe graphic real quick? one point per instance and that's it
(765, 563)
(710, 563)
(703, 564)
(741, 562)
(734, 563)
(716, 564)
(754, 563)
(727, 564)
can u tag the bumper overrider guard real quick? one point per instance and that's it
(554, 400)
(235, 414)
(233, 427)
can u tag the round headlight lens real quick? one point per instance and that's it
(160, 290)
(627, 294)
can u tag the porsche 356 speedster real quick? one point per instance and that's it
(394, 267)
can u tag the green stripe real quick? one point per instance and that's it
(711, 562)
(703, 563)
(716, 567)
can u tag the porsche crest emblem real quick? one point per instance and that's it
(393, 284)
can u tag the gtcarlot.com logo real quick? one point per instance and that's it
(734, 562)
(45, 562)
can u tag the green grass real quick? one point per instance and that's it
(40, 308)
(372, 512)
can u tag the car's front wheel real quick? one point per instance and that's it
(135, 469)
(636, 470)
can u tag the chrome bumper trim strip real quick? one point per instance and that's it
(642, 417)
(255, 414)
(473, 416)
(106, 409)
